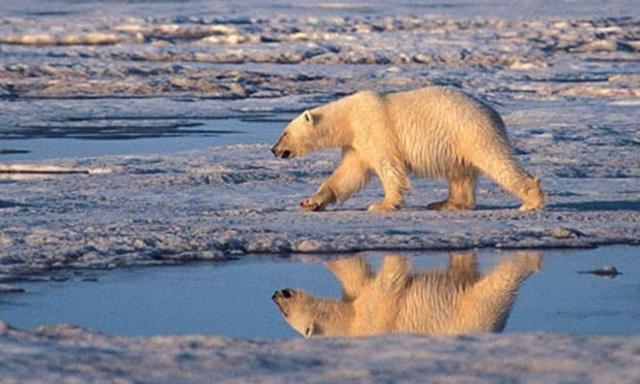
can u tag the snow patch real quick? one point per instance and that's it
(68, 353)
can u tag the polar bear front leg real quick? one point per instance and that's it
(351, 176)
(317, 202)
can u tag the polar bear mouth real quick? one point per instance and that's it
(279, 152)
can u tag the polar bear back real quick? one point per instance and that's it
(439, 129)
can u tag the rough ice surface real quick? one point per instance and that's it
(57, 353)
(563, 74)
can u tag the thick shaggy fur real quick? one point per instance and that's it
(452, 301)
(431, 132)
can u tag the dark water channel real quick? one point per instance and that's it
(234, 298)
(120, 136)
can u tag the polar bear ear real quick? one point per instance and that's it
(308, 332)
(308, 117)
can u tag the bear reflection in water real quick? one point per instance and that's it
(455, 300)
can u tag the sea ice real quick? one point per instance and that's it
(562, 73)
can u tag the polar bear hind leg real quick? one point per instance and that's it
(462, 189)
(501, 166)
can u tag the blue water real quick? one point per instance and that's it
(122, 142)
(234, 297)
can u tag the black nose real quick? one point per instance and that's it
(273, 150)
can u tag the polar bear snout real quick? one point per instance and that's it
(282, 148)
(284, 294)
(280, 298)
(280, 152)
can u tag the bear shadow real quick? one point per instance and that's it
(487, 207)
(619, 205)
(614, 205)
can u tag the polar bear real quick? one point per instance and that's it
(431, 132)
(452, 301)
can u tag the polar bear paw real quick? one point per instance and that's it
(314, 203)
(449, 205)
(381, 207)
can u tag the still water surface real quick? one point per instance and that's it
(234, 297)
(134, 139)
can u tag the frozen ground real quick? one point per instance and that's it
(564, 74)
(55, 354)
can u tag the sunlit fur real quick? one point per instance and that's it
(457, 300)
(431, 132)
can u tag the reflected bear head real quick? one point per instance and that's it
(308, 315)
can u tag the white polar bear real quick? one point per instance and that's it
(457, 300)
(431, 132)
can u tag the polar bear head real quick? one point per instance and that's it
(312, 316)
(298, 138)
(292, 306)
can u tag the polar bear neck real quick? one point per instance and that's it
(333, 124)
(333, 317)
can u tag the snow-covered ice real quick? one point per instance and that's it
(564, 75)
(55, 354)
(232, 200)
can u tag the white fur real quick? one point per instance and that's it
(430, 132)
(453, 301)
